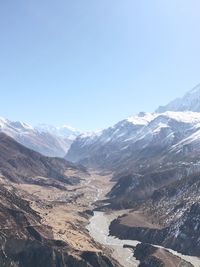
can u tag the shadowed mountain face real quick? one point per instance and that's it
(22, 165)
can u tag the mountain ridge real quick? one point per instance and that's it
(189, 102)
(20, 164)
(47, 140)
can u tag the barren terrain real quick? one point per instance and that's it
(65, 211)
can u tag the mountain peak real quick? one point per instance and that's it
(141, 119)
(63, 131)
(189, 102)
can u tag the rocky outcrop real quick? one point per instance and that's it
(181, 235)
(144, 253)
(32, 253)
(184, 233)
(150, 256)
(173, 177)
(142, 234)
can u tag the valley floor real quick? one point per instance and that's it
(65, 211)
(68, 213)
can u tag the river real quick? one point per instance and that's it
(99, 231)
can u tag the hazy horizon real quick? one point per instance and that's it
(41, 123)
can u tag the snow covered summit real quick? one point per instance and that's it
(189, 102)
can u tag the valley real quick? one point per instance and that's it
(62, 210)
(128, 195)
(100, 133)
(44, 212)
(67, 213)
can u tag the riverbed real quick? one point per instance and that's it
(99, 231)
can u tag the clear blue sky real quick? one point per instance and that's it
(91, 63)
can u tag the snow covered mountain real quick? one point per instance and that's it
(189, 102)
(172, 130)
(49, 141)
(138, 139)
(64, 131)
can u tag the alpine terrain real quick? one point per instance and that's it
(155, 167)
(45, 139)
(128, 195)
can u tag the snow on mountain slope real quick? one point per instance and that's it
(141, 124)
(64, 131)
(135, 138)
(142, 118)
(51, 141)
(17, 126)
(189, 102)
(87, 145)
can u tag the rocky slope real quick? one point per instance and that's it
(181, 235)
(22, 165)
(172, 216)
(25, 241)
(150, 256)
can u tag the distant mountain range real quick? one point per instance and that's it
(64, 131)
(48, 140)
